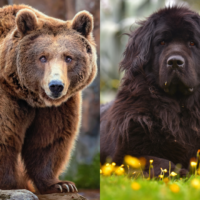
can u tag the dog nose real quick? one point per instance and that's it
(56, 86)
(175, 62)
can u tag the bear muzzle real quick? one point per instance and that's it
(56, 87)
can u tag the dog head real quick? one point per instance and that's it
(166, 47)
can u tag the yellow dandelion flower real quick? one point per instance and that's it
(135, 186)
(195, 183)
(107, 169)
(165, 170)
(161, 176)
(193, 164)
(132, 161)
(174, 188)
(166, 180)
(151, 161)
(119, 171)
(173, 174)
(142, 161)
(113, 163)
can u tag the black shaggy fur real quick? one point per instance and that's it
(156, 113)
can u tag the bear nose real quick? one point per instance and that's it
(56, 86)
(175, 61)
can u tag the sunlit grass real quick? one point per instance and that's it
(121, 187)
(129, 182)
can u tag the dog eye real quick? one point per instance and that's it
(192, 43)
(68, 59)
(162, 43)
(43, 59)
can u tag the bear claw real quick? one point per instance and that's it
(66, 187)
(71, 187)
(59, 187)
(76, 189)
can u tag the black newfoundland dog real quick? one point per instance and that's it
(156, 113)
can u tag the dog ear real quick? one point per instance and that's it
(26, 20)
(137, 52)
(83, 23)
(196, 18)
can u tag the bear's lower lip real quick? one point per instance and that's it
(55, 96)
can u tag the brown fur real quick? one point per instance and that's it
(33, 125)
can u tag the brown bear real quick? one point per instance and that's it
(44, 65)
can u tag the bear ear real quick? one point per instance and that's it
(83, 23)
(26, 20)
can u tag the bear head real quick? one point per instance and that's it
(47, 60)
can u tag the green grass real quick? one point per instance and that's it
(119, 187)
(87, 176)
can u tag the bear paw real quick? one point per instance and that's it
(60, 187)
(66, 187)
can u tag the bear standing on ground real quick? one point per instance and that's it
(44, 65)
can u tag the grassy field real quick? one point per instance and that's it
(121, 187)
(128, 181)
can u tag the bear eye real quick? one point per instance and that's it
(68, 59)
(192, 43)
(43, 59)
(162, 43)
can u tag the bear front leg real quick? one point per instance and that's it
(8, 167)
(15, 117)
(48, 144)
(44, 166)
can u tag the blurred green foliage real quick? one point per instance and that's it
(87, 176)
(117, 18)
